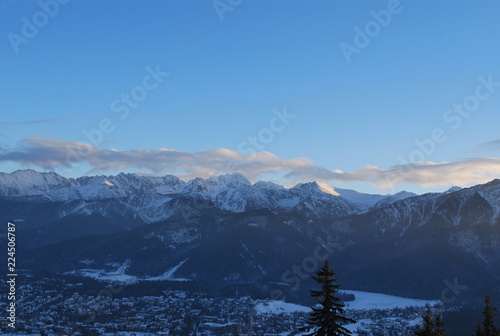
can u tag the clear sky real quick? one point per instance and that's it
(289, 91)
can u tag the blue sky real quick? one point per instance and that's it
(233, 66)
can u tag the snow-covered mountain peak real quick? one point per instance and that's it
(230, 180)
(494, 182)
(268, 185)
(453, 189)
(371, 200)
(389, 199)
(30, 183)
(33, 177)
(218, 183)
(402, 195)
(317, 187)
(326, 188)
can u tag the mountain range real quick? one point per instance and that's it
(151, 199)
(231, 234)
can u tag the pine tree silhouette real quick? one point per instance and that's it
(439, 331)
(431, 326)
(427, 327)
(479, 330)
(487, 327)
(327, 320)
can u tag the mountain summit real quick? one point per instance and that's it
(155, 198)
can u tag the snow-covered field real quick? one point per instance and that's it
(111, 277)
(169, 274)
(277, 307)
(367, 300)
(120, 276)
(363, 301)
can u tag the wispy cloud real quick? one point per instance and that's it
(495, 144)
(50, 153)
(427, 174)
(28, 122)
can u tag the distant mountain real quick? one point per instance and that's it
(227, 232)
(149, 199)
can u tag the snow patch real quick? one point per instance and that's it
(169, 274)
(278, 307)
(367, 300)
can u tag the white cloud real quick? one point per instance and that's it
(50, 153)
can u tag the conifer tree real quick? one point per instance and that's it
(439, 330)
(427, 327)
(431, 326)
(479, 330)
(328, 319)
(487, 327)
